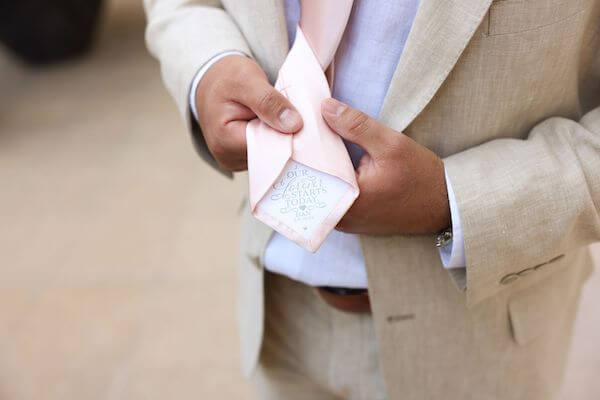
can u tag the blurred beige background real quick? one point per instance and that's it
(118, 246)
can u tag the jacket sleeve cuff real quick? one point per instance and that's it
(453, 253)
(200, 74)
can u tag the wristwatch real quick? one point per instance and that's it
(444, 237)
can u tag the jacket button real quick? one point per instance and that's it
(526, 271)
(510, 278)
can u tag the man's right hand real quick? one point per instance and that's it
(232, 92)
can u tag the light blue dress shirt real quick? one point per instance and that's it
(365, 62)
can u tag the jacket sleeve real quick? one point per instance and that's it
(183, 35)
(524, 203)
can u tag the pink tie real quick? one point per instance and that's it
(301, 185)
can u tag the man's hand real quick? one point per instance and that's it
(234, 91)
(402, 184)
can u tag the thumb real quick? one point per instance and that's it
(355, 126)
(272, 107)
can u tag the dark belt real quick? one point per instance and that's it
(346, 299)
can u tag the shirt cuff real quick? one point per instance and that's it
(453, 253)
(202, 71)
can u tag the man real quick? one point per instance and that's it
(487, 138)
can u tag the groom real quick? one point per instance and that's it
(474, 126)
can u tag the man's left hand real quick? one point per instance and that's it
(402, 183)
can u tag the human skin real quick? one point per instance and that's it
(232, 92)
(402, 183)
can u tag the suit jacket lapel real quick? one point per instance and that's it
(440, 33)
(266, 30)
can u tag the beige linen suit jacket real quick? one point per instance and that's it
(508, 93)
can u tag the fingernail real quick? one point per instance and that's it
(333, 108)
(289, 119)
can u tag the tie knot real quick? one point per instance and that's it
(323, 23)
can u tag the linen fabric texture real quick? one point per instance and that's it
(508, 94)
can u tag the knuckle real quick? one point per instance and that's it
(396, 148)
(227, 151)
(218, 145)
(221, 121)
(396, 142)
(358, 123)
(220, 87)
(238, 166)
(222, 165)
(236, 84)
(227, 87)
(218, 149)
(233, 165)
(226, 166)
(392, 151)
(269, 102)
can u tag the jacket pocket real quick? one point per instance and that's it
(515, 16)
(543, 307)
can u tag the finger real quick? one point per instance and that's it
(345, 224)
(364, 164)
(237, 137)
(355, 126)
(233, 111)
(349, 220)
(230, 147)
(349, 223)
(271, 107)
